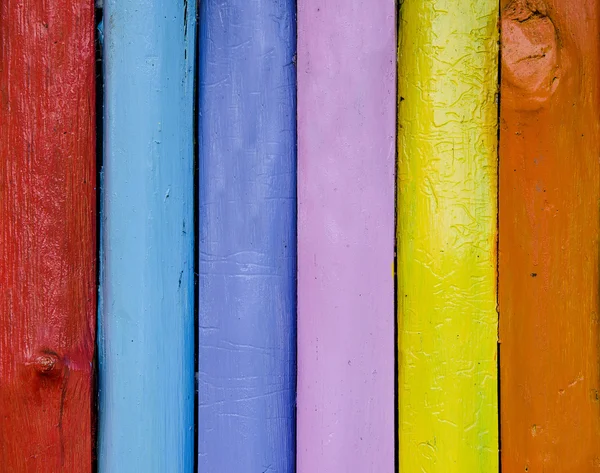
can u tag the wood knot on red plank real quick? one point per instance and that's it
(48, 363)
(530, 55)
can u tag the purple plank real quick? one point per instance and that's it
(346, 151)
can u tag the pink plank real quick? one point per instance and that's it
(346, 151)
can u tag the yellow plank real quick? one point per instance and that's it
(447, 207)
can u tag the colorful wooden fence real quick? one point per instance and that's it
(427, 218)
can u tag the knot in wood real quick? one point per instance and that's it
(47, 363)
(530, 55)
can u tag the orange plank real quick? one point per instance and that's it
(549, 228)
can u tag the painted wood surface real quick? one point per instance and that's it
(549, 228)
(146, 349)
(247, 247)
(447, 187)
(346, 160)
(47, 235)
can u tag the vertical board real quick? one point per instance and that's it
(247, 247)
(47, 235)
(549, 228)
(346, 154)
(447, 187)
(146, 349)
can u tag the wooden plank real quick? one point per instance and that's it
(549, 228)
(47, 235)
(247, 200)
(447, 205)
(346, 160)
(146, 349)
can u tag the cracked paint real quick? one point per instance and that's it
(447, 203)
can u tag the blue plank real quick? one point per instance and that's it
(247, 247)
(146, 345)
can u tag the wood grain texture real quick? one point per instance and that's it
(146, 339)
(346, 154)
(247, 247)
(447, 186)
(549, 227)
(47, 235)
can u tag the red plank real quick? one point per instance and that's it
(47, 235)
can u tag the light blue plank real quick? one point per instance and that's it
(247, 138)
(146, 346)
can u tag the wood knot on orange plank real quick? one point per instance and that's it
(530, 55)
